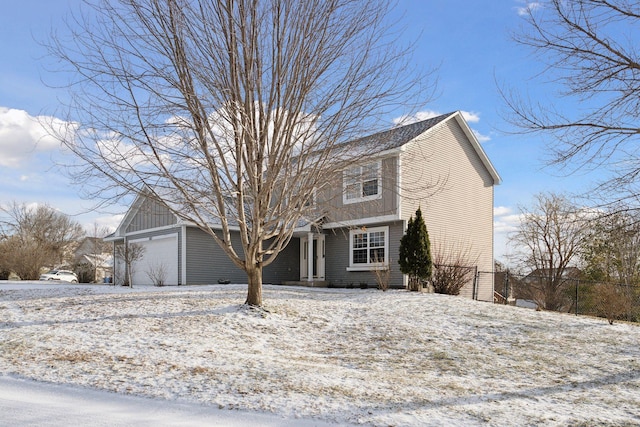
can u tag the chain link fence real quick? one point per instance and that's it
(569, 294)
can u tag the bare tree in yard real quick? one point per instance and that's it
(129, 253)
(37, 237)
(550, 238)
(590, 48)
(230, 112)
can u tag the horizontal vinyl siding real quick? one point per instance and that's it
(458, 208)
(151, 215)
(207, 262)
(337, 258)
(386, 205)
(286, 267)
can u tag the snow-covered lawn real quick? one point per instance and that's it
(343, 356)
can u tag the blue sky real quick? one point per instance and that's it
(468, 39)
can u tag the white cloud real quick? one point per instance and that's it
(481, 137)
(469, 116)
(22, 136)
(506, 224)
(528, 7)
(502, 210)
(417, 117)
(505, 220)
(124, 156)
(109, 223)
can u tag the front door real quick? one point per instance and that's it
(312, 257)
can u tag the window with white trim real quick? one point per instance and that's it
(362, 183)
(368, 248)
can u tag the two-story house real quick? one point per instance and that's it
(436, 164)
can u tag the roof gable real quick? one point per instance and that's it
(389, 140)
(142, 198)
(398, 137)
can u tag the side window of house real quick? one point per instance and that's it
(368, 248)
(362, 183)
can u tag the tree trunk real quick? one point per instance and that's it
(254, 292)
(414, 283)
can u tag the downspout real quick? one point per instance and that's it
(405, 277)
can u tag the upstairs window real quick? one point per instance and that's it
(362, 183)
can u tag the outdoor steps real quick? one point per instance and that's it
(312, 284)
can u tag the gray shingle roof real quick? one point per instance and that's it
(398, 136)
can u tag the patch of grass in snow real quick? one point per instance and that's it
(441, 355)
(13, 348)
(73, 357)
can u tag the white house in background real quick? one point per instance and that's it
(92, 260)
(436, 164)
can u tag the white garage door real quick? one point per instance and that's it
(159, 260)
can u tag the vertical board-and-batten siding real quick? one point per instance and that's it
(151, 214)
(206, 261)
(337, 258)
(458, 206)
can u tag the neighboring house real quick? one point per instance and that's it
(93, 260)
(436, 164)
(537, 287)
(569, 273)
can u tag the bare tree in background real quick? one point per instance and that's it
(591, 50)
(36, 237)
(612, 251)
(550, 238)
(230, 112)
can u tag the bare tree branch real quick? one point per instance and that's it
(590, 51)
(551, 237)
(232, 113)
